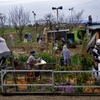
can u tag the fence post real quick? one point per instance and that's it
(52, 81)
(2, 81)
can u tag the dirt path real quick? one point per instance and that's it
(20, 50)
(76, 50)
(44, 97)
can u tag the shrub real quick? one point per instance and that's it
(47, 57)
(75, 59)
(73, 44)
(86, 61)
(81, 33)
(22, 58)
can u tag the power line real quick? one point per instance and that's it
(84, 3)
(77, 5)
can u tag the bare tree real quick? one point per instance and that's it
(2, 24)
(50, 20)
(19, 19)
(62, 23)
(74, 20)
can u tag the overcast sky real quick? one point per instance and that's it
(42, 7)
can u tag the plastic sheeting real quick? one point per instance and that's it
(4, 50)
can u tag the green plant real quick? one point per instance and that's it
(73, 44)
(47, 57)
(75, 60)
(84, 43)
(22, 58)
(81, 33)
(18, 42)
(79, 90)
(82, 78)
(59, 45)
(21, 43)
(86, 61)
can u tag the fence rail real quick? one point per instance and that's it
(52, 87)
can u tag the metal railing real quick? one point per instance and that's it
(0, 80)
(52, 87)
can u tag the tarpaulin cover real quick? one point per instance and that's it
(4, 50)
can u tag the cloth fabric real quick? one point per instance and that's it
(2, 39)
(3, 47)
(4, 50)
(40, 41)
(95, 56)
(38, 36)
(63, 41)
(55, 46)
(26, 37)
(66, 56)
(31, 62)
(29, 37)
(11, 37)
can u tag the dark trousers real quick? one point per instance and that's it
(37, 74)
(37, 40)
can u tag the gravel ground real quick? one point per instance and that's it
(33, 97)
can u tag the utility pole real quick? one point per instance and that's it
(71, 9)
(54, 8)
(34, 16)
(35, 21)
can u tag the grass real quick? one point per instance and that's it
(31, 30)
(75, 59)
(16, 37)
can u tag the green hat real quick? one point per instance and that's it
(33, 53)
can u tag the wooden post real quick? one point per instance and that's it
(97, 35)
